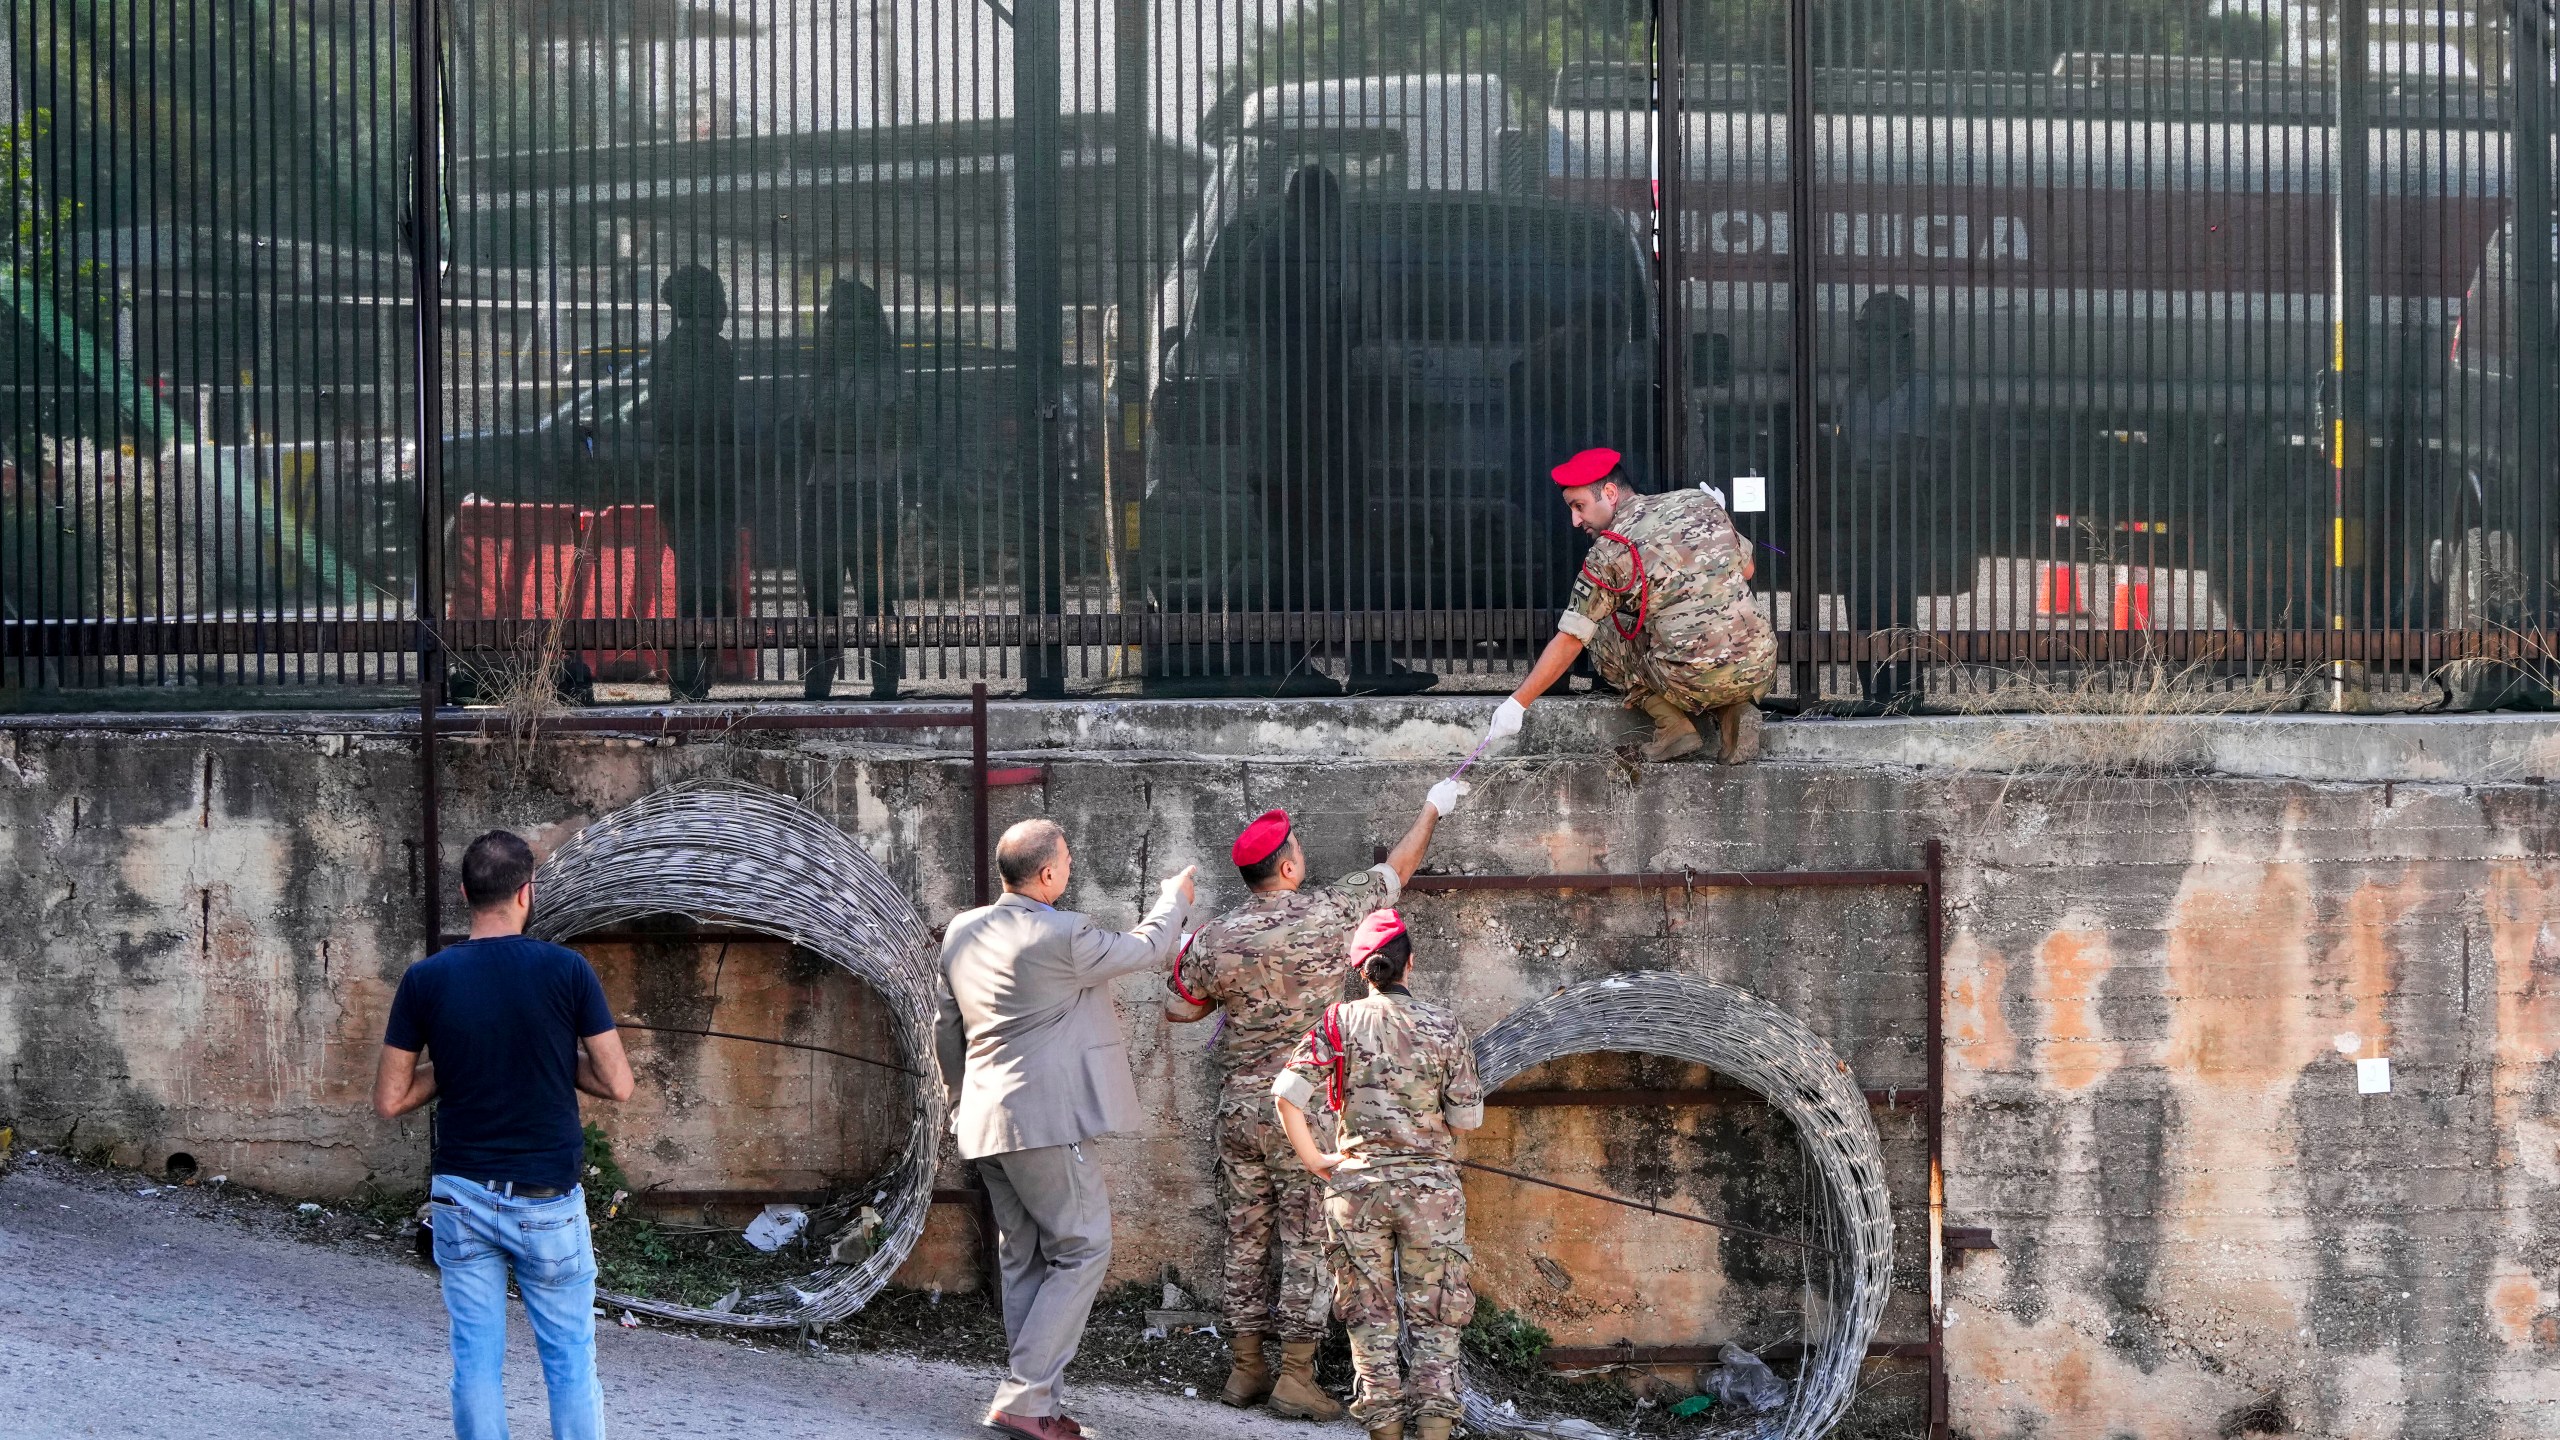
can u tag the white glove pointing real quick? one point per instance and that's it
(1506, 720)
(1444, 796)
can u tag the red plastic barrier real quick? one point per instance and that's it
(530, 561)
(634, 578)
(516, 562)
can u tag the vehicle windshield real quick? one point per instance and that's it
(1432, 269)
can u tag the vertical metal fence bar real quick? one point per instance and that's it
(2535, 317)
(427, 302)
(1804, 484)
(1671, 215)
(2350, 326)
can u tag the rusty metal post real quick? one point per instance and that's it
(978, 792)
(1937, 1051)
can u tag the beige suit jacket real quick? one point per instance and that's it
(1027, 1036)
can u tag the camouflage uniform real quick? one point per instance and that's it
(1397, 1216)
(1702, 642)
(1272, 965)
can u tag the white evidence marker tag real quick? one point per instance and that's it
(1750, 494)
(2373, 1077)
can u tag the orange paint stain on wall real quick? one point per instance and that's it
(2058, 1380)
(2240, 993)
(1571, 851)
(2238, 974)
(1976, 1025)
(2071, 965)
(2518, 908)
(2371, 962)
(2515, 1307)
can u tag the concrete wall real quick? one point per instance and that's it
(2156, 990)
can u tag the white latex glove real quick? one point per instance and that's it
(1181, 885)
(1444, 796)
(1506, 720)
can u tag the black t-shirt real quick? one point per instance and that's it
(500, 1019)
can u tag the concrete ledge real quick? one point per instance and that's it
(2428, 749)
(2406, 749)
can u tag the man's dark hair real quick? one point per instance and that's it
(1386, 964)
(1262, 871)
(1026, 849)
(496, 866)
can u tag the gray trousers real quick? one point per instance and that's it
(1053, 1241)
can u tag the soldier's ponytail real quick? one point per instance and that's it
(1385, 965)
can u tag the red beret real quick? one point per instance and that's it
(1381, 927)
(1262, 839)
(1588, 468)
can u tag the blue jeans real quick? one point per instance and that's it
(480, 1233)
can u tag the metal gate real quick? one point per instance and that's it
(878, 347)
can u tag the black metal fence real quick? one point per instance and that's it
(884, 346)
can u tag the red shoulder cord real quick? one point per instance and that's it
(1642, 587)
(1175, 979)
(1339, 1089)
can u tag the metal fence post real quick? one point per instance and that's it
(1670, 161)
(1133, 338)
(1038, 294)
(2534, 309)
(426, 158)
(2350, 288)
(1802, 597)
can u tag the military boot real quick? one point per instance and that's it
(1392, 1430)
(1738, 732)
(1249, 1375)
(1674, 733)
(1433, 1427)
(1295, 1394)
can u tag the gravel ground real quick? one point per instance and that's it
(187, 1312)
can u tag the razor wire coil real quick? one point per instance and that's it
(737, 855)
(1741, 1036)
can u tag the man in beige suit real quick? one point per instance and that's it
(1031, 1050)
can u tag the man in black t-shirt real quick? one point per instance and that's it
(513, 1029)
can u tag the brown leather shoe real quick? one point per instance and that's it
(1249, 1376)
(1034, 1427)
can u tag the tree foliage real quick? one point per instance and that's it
(35, 221)
(283, 117)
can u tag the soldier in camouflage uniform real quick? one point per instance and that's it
(1269, 968)
(1664, 603)
(1400, 1075)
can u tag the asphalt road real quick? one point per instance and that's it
(167, 1315)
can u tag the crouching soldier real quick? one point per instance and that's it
(1271, 966)
(1399, 1075)
(1665, 605)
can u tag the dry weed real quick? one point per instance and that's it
(2130, 718)
(524, 681)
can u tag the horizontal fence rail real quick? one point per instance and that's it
(2103, 347)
